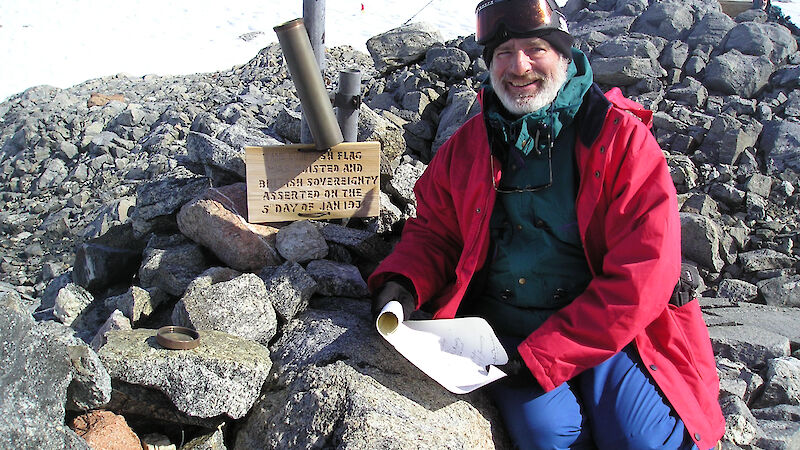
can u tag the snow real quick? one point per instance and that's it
(790, 9)
(65, 42)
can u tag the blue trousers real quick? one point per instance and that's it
(612, 406)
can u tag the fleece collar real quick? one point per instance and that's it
(532, 131)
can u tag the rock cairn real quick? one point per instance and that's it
(125, 210)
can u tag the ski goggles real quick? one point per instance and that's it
(516, 17)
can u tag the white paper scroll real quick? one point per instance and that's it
(459, 354)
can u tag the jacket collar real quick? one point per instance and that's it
(591, 115)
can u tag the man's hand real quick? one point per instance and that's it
(518, 373)
(393, 290)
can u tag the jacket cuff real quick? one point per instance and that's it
(402, 280)
(536, 369)
(406, 283)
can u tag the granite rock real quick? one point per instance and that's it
(222, 300)
(221, 376)
(402, 45)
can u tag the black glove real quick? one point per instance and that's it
(393, 290)
(515, 365)
(516, 369)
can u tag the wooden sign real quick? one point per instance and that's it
(293, 182)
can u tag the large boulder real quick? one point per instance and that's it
(364, 244)
(729, 137)
(337, 279)
(70, 302)
(222, 163)
(781, 320)
(108, 259)
(216, 220)
(158, 201)
(764, 259)
(404, 178)
(90, 386)
(748, 344)
(625, 70)
(737, 290)
(35, 374)
(403, 45)
(734, 73)
(782, 383)
(110, 215)
(170, 263)
(781, 291)
(700, 241)
(780, 142)
(638, 45)
(240, 136)
(710, 30)
(223, 375)
(224, 300)
(373, 127)
(761, 39)
(104, 429)
(787, 77)
(607, 26)
(289, 288)
(301, 242)
(670, 20)
(448, 62)
(462, 104)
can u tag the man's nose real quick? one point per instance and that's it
(520, 64)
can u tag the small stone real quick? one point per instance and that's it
(741, 427)
(98, 99)
(70, 302)
(737, 290)
(782, 383)
(212, 441)
(139, 304)
(105, 430)
(337, 279)
(402, 184)
(301, 242)
(156, 441)
(289, 289)
(116, 321)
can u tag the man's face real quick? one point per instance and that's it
(527, 73)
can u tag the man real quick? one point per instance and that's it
(553, 215)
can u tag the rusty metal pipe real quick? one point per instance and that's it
(307, 79)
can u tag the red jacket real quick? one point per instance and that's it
(628, 219)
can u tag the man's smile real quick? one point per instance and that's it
(524, 85)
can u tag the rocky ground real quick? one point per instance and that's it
(120, 196)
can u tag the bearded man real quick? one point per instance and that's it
(552, 215)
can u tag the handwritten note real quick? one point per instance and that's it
(460, 354)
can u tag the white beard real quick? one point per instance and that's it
(521, 105)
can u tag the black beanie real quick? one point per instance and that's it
(560, 41)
